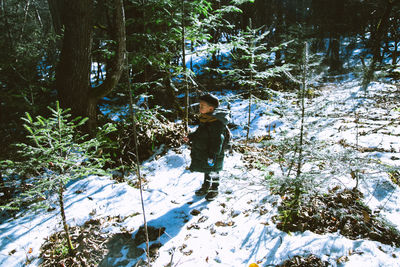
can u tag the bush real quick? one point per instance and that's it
(153, 131)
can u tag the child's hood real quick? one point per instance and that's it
(222, 115)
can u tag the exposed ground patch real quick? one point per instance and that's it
(93, 247)
(310, 261)
(337, 211)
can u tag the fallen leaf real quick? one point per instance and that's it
(366, 216)
(195, 212)
(219, 223)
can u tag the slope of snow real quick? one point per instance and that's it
(236, 228)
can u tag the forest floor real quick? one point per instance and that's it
(344, 211)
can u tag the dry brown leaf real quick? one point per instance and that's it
(220, 223)
(366, 216)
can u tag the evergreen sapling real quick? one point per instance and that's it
(56, 155)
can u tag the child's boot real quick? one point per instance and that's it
(204, 187)
(213, 192)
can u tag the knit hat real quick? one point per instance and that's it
(210, 99)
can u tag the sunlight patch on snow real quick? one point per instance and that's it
(236, 228)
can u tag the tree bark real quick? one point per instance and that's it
(335, 64)
(375, 44)
(71, 250)
(73, 70)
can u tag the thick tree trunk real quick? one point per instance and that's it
(73, 70)
(336, 18)
(335, 64)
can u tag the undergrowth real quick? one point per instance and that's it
(337, 211)
(95, 247)
(395, 177)
(310, 261)
(153, 131)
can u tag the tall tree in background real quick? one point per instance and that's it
(73, 70)
(29, 53)
(378, 32)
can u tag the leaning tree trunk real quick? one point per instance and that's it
(73, 70)
(116, 65)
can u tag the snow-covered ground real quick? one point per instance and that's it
(235, 229)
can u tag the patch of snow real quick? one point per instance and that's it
(235, 229)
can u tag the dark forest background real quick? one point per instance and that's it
(74, 50)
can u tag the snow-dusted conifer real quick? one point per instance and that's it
(304, 81)
(57, 155)
(250, 67)
(296, 147)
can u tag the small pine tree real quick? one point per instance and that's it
(251, 68)
(305, 79)
(292, 148)
(57, 155)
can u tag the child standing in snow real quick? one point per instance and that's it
(207, 141)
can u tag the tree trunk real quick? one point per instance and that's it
(303, 88)
(396, 37)
(381, 29)
(394, 53)
(335, 64)
(2, 184)
(64, 220)
(137, 165)
(116, 65)
(73, 70)
(279, 25)
(375, 44)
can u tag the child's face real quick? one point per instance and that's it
(205, 107)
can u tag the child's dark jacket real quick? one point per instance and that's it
(207, 142)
